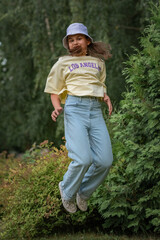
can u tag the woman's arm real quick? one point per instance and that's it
(57, 106)
(108, 102)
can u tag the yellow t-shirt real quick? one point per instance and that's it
(78, 76)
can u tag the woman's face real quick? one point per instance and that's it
(78, 42)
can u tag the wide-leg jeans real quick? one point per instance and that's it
(89, 147)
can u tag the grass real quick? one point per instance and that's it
(92, 236)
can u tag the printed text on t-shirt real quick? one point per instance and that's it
(84, 64)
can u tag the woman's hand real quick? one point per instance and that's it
(57, 107)
(56, 113)
(108, 102)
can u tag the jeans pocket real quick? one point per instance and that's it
(70, 107)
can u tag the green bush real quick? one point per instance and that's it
(129, 200)
(7, 163)
(30, 196)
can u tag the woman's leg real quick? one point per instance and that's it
(89, 146)
(78, 146)
(101, 156)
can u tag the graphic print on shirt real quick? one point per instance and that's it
(74, 66)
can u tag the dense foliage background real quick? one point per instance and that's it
(31, 42)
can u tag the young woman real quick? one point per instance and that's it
(78, 80)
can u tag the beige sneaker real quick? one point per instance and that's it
(70, 206)
(81, 203)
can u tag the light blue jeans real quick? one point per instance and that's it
(89, 147)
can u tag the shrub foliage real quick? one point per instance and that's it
(30, 199)
(129, 200)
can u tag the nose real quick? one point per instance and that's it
(75, 42)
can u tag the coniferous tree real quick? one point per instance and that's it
(131, 200)
(30, 33)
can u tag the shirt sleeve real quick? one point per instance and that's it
(55, 81)
(103, 76)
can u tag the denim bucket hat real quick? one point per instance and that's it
(75, 28)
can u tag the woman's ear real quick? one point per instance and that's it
(88, 41)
